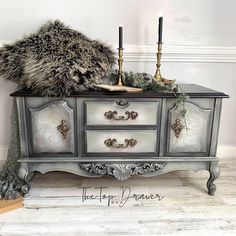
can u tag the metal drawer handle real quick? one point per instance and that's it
(63, 128)
(113, 115)
(127, 143)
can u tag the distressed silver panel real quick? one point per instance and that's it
(195, 134)
(147, 112)
(44, 121)
(215, 127)
(22, 126)
(146, 141)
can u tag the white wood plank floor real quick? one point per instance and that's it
(55, 207)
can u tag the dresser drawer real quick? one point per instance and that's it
(122, 113)
(122, 141)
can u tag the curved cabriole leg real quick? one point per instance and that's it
(27, 185)
(214, 174)
(27, 177)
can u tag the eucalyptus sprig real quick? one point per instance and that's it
(148, 83)
(181, 98)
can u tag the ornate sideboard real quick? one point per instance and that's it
(120, 134)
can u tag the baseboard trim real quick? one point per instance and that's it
(226, 151)
(176, 53)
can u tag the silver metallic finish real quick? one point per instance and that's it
(156, 141)
(122, 171)
(215, 127)
(46, 121)
(193, 136)
(25, 175)
(22, 119)
(214, 174)
(145, 141)
(147, 112)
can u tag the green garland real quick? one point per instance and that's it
(148, 83)
(144, 81)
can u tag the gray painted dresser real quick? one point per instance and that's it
(120, 134)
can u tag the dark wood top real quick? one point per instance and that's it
(192, 90)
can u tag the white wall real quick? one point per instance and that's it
(199, 36)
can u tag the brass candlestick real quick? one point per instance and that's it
(120, 86)
(120, 64)
(157, 75)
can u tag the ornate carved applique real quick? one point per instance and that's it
(127, 143)
(177, 127)
(113, 115)
(64, 128)
(122, 103)
(122, 171)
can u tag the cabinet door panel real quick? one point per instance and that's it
(52, 128)
(189, 134)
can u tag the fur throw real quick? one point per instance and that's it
(56, 61)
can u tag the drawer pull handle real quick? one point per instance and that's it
(63, 128)
(127, 143)
(177, 127)
(113, 115)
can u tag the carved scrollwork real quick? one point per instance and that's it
(177, 127)
(112, 143)
(63, 128)
(28, 176)
(112, 115)
(122, 171)
(122, 103)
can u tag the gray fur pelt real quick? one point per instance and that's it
(56, 61)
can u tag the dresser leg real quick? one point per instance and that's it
(27, 177)
(214, 174)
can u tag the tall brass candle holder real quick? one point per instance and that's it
(120, 65)
(120, 87)
(157, 75)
